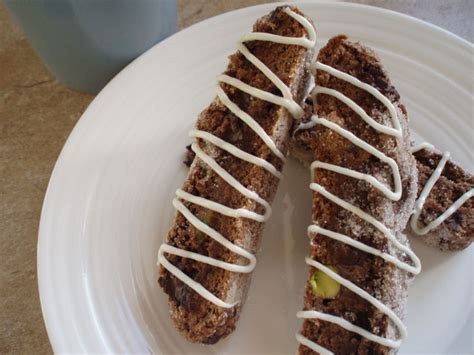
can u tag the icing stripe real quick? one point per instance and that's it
(424, 145)
(287, 101)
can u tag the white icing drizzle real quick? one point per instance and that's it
(287, 101)
(424, 145)
(394, 195)
(426, 191)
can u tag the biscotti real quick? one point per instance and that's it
(444, 213)
(364, 183)
(240, 144)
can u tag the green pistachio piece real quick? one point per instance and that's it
(205, 216)
(323, 285)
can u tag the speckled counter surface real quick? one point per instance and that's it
(36, 116)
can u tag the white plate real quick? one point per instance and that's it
(108, 204)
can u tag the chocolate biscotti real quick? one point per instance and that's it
(364, 183)
(444, 213)
(240, 144)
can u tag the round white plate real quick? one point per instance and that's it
(108, 204)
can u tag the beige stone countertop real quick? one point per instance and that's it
(36, 116)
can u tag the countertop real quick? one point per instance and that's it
(36, 116)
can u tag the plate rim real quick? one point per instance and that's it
(45, 279)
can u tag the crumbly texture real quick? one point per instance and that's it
(189, 156)
(457, 231)
(382, 280)
(196, 318)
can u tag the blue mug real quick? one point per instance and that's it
(86, 42)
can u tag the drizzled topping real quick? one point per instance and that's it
(393, 195)
(426, 191)
(287, 101)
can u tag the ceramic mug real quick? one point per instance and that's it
(86, 42)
